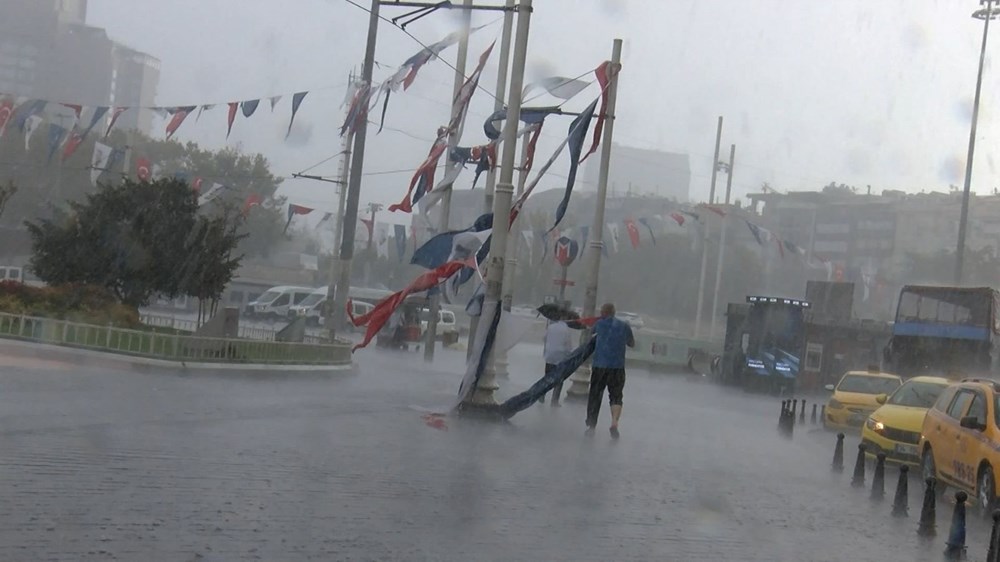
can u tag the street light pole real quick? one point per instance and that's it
(445, 208)
(483, 393)
(986, 15)
(580, 380)
(704, 240)
(722, 244)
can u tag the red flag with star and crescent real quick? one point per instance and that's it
(143, 168)
(633, 232)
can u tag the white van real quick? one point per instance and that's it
(274, 303)
(311, 307)
(446, 320)
(11, 273)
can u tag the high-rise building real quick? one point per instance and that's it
(48, 52)
(638, 171)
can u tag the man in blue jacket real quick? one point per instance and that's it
(608, 367)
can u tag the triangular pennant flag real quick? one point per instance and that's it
(296, 102)
(252, 200)
(296, 210)
(95, 118)
(99, 162)
(756, 231)
(30, 126)
(233, 106)
(557, 86)
(75, 138)
(180, 114)
(613, 229)
(633, 233)
(114, 118)
(26, 110)
(400, 235)
(56, 135)
(577, 134)
(274, 101)
(645, 222)
(322, 221)
(77, 109)
(249, 107)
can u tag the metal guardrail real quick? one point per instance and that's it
(170, 347)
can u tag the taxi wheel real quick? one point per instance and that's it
(986, 491)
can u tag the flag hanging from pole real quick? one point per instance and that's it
(645, 222)
(249, 107)
(557, 86)
(27, 110)
(252, 200)
(31, 125)
(99, 162)
(56, 135)
(423, 178)
(613, 230)
(179, 116)
(577, 134)
(6, 112)
(604, 72)
(143, 168)
(633, 233)
(295, 210)
(437, 250)
(99, 112)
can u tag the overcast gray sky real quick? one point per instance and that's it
(854, 91)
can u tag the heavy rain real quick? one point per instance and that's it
(499, 280)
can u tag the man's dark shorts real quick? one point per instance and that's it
(615, 381)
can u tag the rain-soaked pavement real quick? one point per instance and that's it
(98, 465)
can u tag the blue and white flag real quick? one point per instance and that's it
(577, 134)
(435, 251)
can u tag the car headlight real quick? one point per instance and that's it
(833, 403)
(875, 425)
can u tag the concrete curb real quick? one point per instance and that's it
(102, 359)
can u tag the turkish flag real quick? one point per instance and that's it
(633, 232)
(196, 185)
(6, 110)
(143, 169)
(72, 144)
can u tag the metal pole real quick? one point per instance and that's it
(722, 245)
(354, 184)
(715, 162)
(962, 222)
(491, 174)
(729, 178)
(562, 285)
(445, 205)
(500, 357)
(580, 381)
(483, 393)
(338, 233)
(704, 245)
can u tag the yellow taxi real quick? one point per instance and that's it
(854, 397)
(894, 428)
(960, 440)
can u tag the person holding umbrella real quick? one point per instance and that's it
(558, 345)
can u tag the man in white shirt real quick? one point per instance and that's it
(558, 346)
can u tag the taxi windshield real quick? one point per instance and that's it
(917, 394)
(863, 384)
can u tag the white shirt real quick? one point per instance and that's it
(558, 342)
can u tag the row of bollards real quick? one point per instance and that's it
(955, 548)
(790, 410)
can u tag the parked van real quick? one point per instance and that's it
(311, 307)
(275, 302)
(11, 273)
(446, 321)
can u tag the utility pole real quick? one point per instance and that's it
(580, 381)
(483, 393)
(704, 244)
(986, 15)
(372, 209)
(350, 216)
(445, 204)
(338, 233)
(491, 174)
(722, 243)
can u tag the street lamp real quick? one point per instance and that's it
(986, 14)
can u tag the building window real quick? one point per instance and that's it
(814, 356)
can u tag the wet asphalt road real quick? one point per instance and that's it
(98, 465)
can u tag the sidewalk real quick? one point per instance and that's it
(109, 465)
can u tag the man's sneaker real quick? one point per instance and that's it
(614, 433)
(589, 432)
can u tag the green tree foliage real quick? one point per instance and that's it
(138, 239)
(48, 186)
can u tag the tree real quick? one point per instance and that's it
(137, 239)
(6, 192)
(47, 186)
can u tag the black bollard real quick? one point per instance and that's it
(822, 413)
(838, 454)
(993, 553)
(802, 412)
(858, 481)
(956, 536)
(899, 503)
(928, 512)
(812, 418)
(878, 481)
(795, 405)
(783, 416)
